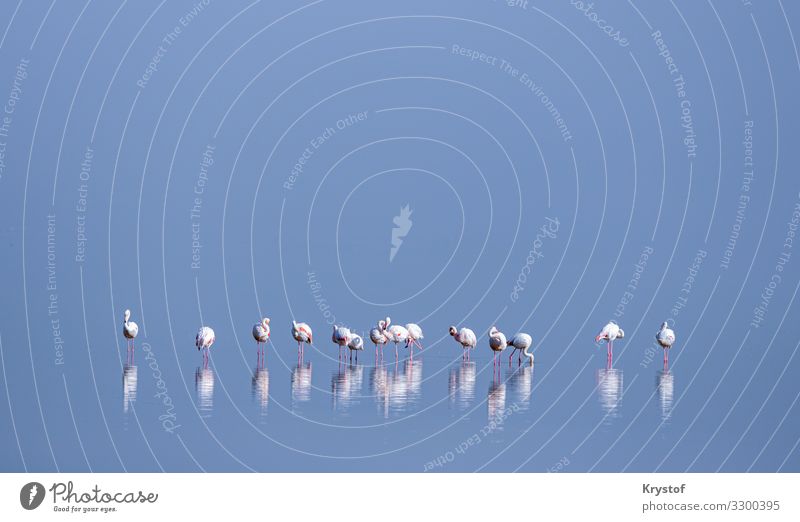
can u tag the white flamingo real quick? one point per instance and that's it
(261, 335)
(130, 330)
(356, 344)
(497, 342)
(609, 333)
(378, 337)
(302, 334)
(414, 335)
(521, 342)
(396, 333)
(203, 340)
(665, 337)
(340, 337)
(465, 337)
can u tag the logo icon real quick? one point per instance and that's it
(402, 224)
(31, 495)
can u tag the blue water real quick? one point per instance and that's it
(215, 163)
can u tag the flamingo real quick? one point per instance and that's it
(497, 342)
(130, 330)
(414, 335)
(261, 335)
(521, 342)
(302, 334)
(665, 338)
(396, 334)
(341, 336)
(378, 336)
(465, 337)
(203, 340)
(610, 332)
(356, 344)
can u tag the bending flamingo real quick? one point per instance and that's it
(261, 335)
(414, 335)
(378, 337)
(302, 334)
(341, 336)
(665, 337)
(396, 334)
(521, 342)
(130, 330)
(465, 337)
(497, 342)
(203, 340)
(610, 332)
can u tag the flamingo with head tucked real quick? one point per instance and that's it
(378, 336)
(497, 342)
(521, 342)
(340, 337)
(203, 340)
(609, 333)
(130, 330)
(356, 344)
(665, 337)
(465, 337)
(396, 333)
(261, 335)
(302, 334)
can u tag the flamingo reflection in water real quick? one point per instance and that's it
(665, 384)
(346, 385)
(396, 389)
(130, 382)
(497, 399)
(461, 384)
(259, 386)
(301, 383)
(610, 390)
(204, 386)
(521, 384)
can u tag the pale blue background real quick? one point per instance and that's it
(272, 76)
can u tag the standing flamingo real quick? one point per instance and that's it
(465, 337)
(261, 335)
(378, 337)
(356, 344)
(302, 334)
(414, 335)
(610, 332)
(396, 334)
(341, 336)
(497, 342)
(130, 330)
(203, 340)
(521, 342)
(665, 338)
